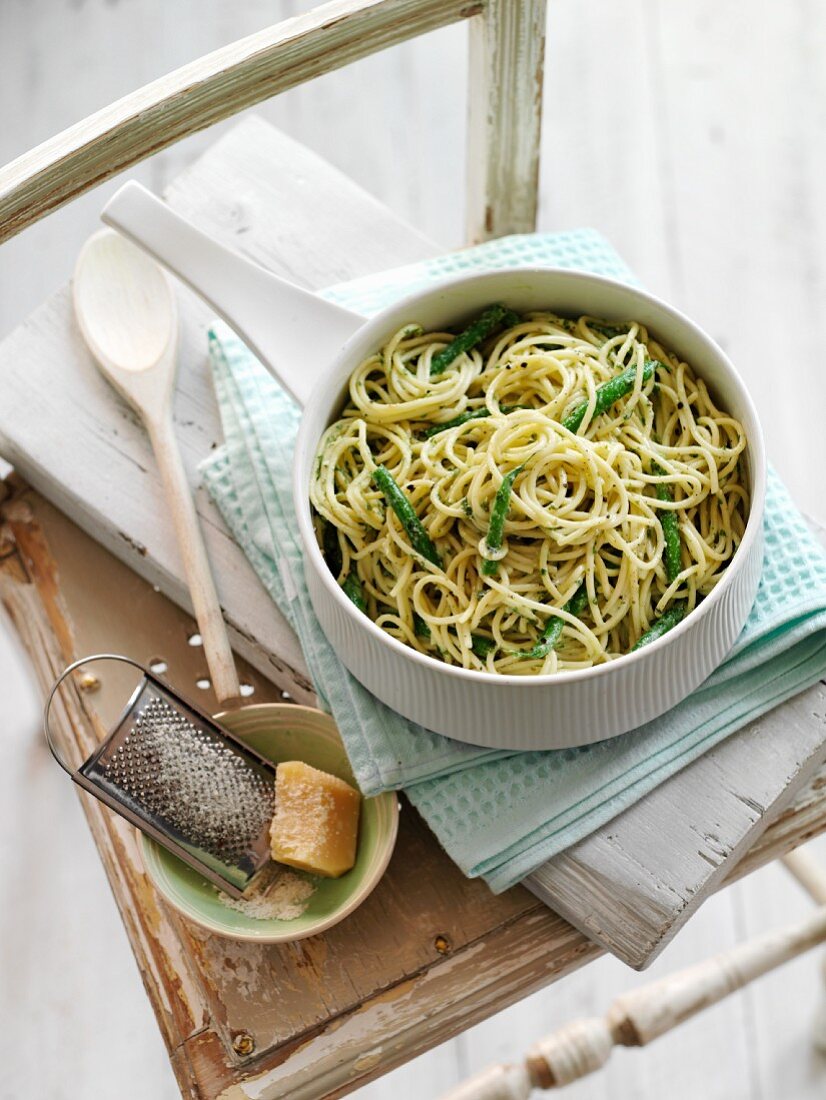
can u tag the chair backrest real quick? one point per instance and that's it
(504, 97)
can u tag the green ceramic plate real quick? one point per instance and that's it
(283, 731)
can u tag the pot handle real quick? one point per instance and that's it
(294, 333)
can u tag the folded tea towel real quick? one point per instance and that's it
(501, 814)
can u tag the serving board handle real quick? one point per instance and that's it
(294, 333)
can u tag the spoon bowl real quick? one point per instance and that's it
(127, 313)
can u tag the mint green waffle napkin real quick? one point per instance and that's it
(501, 814)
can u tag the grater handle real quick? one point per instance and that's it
(47, 709)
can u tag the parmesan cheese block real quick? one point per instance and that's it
(316, 820)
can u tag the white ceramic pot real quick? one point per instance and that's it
(312, 347)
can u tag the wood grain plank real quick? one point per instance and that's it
(649, 870)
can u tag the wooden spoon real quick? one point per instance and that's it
(127, 313)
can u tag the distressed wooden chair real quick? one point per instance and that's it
(507, 39)
(457, 954)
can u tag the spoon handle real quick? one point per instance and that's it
(196, 564)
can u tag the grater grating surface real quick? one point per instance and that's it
(175, 773)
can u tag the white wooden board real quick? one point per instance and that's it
(634, 882)
(75, 440)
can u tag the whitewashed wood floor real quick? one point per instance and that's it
(693, 135)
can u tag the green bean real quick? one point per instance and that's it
(498, 516)
(608, 393)
(419, 538)
(420, 627)
(671, 527)
(609, 331)
(462, 418)
(667, 621)
(481, 645)
(493, 318)
(331, 548)
(353, 590)
(549, 638)
(468, 414)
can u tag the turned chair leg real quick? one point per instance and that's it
(812, 877)
(637, 1018)
(819, 1025)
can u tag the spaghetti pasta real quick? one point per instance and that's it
(543, 501)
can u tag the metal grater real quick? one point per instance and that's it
(183, 779)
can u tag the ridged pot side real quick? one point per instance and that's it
(567, 709)
(548, 712)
